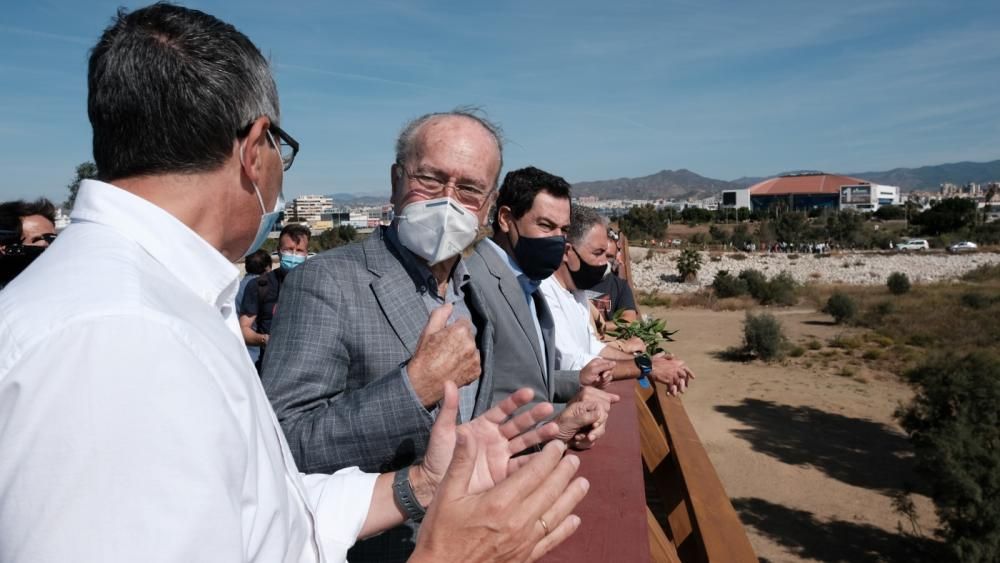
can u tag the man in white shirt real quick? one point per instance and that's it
(583, 265)
(132, 423)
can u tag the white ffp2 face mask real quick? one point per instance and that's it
(437, 229)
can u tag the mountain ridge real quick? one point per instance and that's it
(685, 184)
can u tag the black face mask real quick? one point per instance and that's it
(16, 258)
(587, 276)
(538, 257)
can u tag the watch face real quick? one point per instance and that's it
(643, 362)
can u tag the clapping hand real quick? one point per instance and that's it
(490, 506)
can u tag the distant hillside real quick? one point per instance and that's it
(667, 184)
(357, 200)
(931, 177)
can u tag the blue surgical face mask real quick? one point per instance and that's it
(289, 261)
(266, 221)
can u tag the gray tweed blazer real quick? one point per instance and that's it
(525, 361)
(346, 322)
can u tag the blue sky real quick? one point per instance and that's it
(586, 89)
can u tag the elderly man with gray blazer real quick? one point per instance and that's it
(532, 212)
(366, 335)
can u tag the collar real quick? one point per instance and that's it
(528, 285)
(418, 269)
(206, 272)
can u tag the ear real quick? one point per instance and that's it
(396, 181)
(504, 219)
(251, 149)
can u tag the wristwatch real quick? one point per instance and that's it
(405, 498)
(645, 364)
(645, 368)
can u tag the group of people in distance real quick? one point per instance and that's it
(417, 391)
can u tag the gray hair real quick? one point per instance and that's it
(581, 220)
(407, 137)
(170, 89)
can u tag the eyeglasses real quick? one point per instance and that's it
(287, 146)
(47, 237)
(467, 194)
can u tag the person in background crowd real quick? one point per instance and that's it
(26, 229)
(256, 264)
(133, 426)
(584, 263)
(530, 217)
(257, 306)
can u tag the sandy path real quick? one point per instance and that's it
(810, 458)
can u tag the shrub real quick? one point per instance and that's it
(726, 285)
(688, 264)
(781, 290)
(954, 425)
(754, 281)
(898, 283)
(814, 344)
(763, 336)
(846, 342)
(984, 273)
(975, 300)
(873, 354)
(797, 351)
(738, 256)
(841, 307)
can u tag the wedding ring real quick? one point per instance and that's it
(544, 525)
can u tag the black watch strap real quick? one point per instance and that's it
(403, 491)
(644, 364)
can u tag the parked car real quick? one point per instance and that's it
(964, 246)
(913, 244)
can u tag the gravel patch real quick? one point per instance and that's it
(659, 273)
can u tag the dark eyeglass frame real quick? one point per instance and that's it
(282, 136)
(47, 237)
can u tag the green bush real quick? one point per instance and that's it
(763, 336)
(754, 281)
(688, 264)
(974, 300)
(984, 273)
(954, 425)
(898, 283)
(782, 289)
(726, 285)
(841, 307)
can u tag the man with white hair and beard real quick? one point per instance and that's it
(353, 374)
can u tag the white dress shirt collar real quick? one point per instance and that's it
(197, 265)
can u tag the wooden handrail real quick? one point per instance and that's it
(701, 524)
(613, 514)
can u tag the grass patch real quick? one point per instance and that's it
(846, 342)
(654, 299)
(814, 344)
(872, 355)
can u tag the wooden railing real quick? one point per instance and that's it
(694, 520)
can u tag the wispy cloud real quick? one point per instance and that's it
(39, 34)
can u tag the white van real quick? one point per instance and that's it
(913, 244)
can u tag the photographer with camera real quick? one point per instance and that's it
(26, 229)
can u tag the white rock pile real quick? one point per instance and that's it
(659, 272)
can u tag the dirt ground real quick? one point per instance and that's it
(807, 448)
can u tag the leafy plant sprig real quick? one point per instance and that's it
(653, 332)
